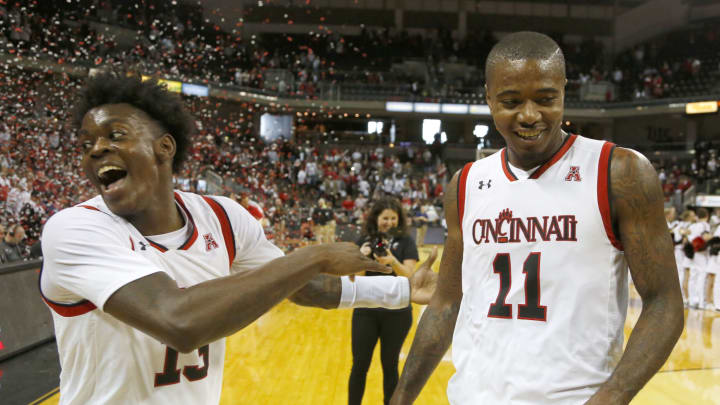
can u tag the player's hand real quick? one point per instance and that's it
(344, 258)
(388, 259)
(424, 281)
(365, 249)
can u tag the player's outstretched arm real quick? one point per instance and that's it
(325, 291)
(186, 319)
(434, 334)
(637, 203)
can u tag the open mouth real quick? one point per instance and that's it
(529, 135)
(111, 176)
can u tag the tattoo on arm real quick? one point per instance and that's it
(323, 291)
(638, 211)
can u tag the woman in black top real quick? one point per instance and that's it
(386, 222)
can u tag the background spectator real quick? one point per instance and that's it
(11, 247)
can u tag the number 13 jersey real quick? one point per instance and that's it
(544, 280)
(90, 253)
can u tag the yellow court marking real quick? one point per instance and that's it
(295, 355)
(51, 397)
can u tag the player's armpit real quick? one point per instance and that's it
(637, 205)
(435, 331)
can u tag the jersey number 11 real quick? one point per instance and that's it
(531, 310)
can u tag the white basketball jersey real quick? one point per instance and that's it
(544, 280)
(89, 253)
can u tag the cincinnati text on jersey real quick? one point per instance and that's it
(508, 229)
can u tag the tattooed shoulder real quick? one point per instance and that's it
(637, 203)
(633, 183)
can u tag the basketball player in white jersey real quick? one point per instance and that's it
(534, 273)
(145, 282)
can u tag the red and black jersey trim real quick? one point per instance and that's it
(157, 245)
(603, 194)
(193, 236)
(92, 208)
(506, 167)
(191, 239)
(567, 143)
(228, 234)
(66, 310)
(461, 192)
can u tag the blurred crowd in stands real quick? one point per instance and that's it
(702, 171)
(297, 187)
(285, 179)
(38, 159)
(677, 64)
(179, 43)
(280, 182)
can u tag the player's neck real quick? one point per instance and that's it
(161, 216)
(528, 161)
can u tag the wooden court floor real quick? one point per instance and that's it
(295, 355)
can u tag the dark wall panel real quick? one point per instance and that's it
(548, 25)
(430, 19)
(324, 16)
(25, 320)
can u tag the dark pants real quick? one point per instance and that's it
(391, 327)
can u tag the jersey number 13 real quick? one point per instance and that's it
(171, 374)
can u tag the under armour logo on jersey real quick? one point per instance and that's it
(573, 174)
(482, 184)
(210, 243)
(143, 245)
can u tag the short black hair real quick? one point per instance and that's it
(524, 45)
(380, 205)
(166, 108)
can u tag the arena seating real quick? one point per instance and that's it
(175, 41)
(38, 153)
(39, 159)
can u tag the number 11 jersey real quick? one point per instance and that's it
(544, 280)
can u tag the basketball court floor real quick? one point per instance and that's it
(296, 355)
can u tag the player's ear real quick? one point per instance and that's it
(165, 147)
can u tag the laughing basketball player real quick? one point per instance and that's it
(145, 282)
